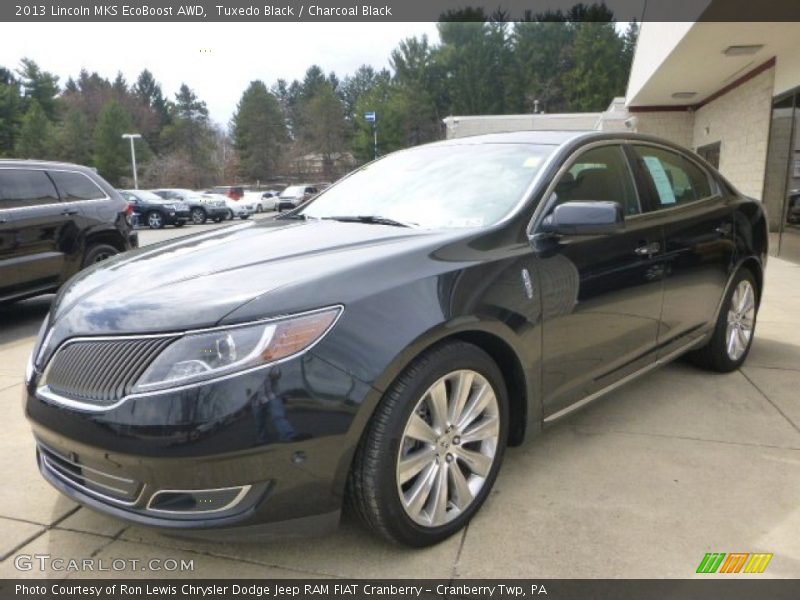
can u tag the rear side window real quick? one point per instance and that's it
(22, 187)
(675, 180)
(76, 186)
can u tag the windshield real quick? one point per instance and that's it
(292, 191)
(441, 186)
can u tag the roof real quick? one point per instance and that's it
(42, 164)
(541, 137)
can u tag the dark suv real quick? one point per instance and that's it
(153, 211)
(55, 219)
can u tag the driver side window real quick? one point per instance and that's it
(600, 174)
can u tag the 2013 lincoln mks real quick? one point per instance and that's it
(380, 346)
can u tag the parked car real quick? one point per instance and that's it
(234, 192)
(264, 201)
(201, 207)
(236, 209)
(295, 195)
(55, 219)
(154, 211)
(386, 341)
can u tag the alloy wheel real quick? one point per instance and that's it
(741, 320)
(198, 216)
(154, 220)
(448, 448)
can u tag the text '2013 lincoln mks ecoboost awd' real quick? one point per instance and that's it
(381, 345)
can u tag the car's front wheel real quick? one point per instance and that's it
(433, 448)
(733, 334)
(198, 215)
(155, 220)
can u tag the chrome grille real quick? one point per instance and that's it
(98, 482)
(101, 372)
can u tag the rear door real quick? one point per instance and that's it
(699, 245)
(601, 295)
(33, 240)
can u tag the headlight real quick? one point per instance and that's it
(207, 355)
(38, 348)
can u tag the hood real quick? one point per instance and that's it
(193, 282)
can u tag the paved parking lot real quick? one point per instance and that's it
(642, 483)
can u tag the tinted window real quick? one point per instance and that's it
(674, 179)
(20, 187)
(76, 186)
(599, 174)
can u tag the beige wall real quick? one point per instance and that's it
(740, 120)
(675, 126)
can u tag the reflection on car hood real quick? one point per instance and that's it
(195, 281)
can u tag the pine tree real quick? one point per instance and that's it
(74, 143)
(34, 135)
(40, 86)
(10, 112)
(259, 131)
(111, 151)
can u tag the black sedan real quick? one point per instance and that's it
(153, 211)
(386, 341)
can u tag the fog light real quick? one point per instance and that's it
(197, 501)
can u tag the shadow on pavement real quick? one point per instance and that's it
(22, 319)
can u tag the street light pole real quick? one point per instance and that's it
(131, 137)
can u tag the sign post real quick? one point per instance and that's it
(372, 117)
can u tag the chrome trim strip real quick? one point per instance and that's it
(594, 396)
(60, 456)
(243, 489)
(45, 394)
(72, 483)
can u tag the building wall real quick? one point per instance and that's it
(787, 72)
(740, 121)
(675, 126)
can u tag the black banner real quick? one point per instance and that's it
(379, 10)
(395, 589)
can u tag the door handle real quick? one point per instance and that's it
(69, 212)
(645, 249)
(2, 220)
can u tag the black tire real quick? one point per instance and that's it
(154, 220)
(372, 492)
(198, 215)
(244, 217)
(259, 209)
(218, 219)
(97, 253)
(714, 355)
(180, 223)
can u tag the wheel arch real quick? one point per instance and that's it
(106, 236)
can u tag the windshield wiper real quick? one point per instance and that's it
(371, 220)
(296, 217)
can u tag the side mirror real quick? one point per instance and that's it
(585, 218)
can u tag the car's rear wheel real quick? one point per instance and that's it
(259, 209)
(199, 216)
(155, 220)
(433, 448)
(733, 334)
(97, 253)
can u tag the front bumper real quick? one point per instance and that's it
(284, 435)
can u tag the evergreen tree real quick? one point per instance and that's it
(10, 112)
(598, 73)
(111, 151)
(34, 134)
(259, 131)
(325, 131)
(74, 143)
(38, 85)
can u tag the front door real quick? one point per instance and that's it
(601, 295)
